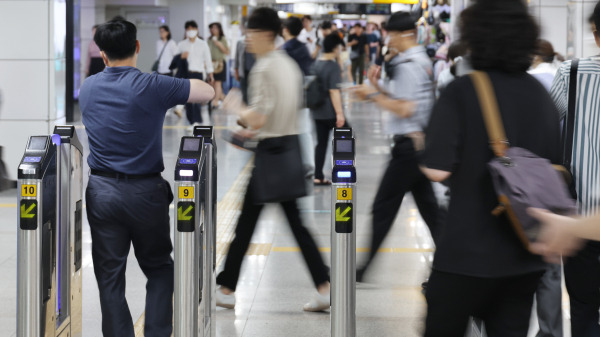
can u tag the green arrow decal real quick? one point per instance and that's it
(183, 216)
(341, 216)
(28, 214)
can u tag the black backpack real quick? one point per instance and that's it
(315, 93)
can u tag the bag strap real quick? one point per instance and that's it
(491, 113)
(569, 122)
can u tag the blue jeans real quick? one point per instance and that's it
(122, 212)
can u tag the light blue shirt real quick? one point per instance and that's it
(411, 81)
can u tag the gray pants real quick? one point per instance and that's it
(549, 303)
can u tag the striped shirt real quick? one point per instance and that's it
(585, 163)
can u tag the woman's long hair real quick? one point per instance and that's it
(218, 24)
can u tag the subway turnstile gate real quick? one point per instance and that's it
(343, 235)
(195, 235)
(49, 236)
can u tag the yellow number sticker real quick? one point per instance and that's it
(28, 190)
(344, 194)
(186, 192)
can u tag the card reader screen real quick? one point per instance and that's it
(37, 143)
(191, 144)
(343, 145)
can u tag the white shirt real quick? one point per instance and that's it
(167, 55)
(199, 59)
(305, 35)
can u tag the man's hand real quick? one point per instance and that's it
(185, 55)
(211, 78)
(556, 237)
(340, 120)
(361, 92)
(374, 74)
(237, 75)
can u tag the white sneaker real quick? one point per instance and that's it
(318, 303)
(225, 301)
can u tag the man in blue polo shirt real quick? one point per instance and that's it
(123, 111)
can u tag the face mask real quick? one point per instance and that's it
(191, 33)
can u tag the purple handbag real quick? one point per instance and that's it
(521, 179)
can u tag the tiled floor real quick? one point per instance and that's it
(275, 283)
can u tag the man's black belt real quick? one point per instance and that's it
(118, 175)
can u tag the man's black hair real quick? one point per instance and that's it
(596, 16)
(326, 25)
(307, 17)
(514, 31)
(331, 42)
(117, 39)
(266, 19)
(191, 23)
(401, 22)
(358, 25)
(293, 25)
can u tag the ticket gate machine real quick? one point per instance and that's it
(49, 272)
(195, 213)
(343, 235)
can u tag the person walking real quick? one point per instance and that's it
(166, 49)
(197, 54)
(219, 50)
(480, 267)
(123, 111)
(582, 272)
(359, 55)
(243, 63)
(408, 94)
(275, 97)
(330, 114)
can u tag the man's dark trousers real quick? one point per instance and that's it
(401, 176)
(122, 212)
(193, 111)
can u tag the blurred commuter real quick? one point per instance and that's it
(123, 111)
(293, 47)
(219, 49)
(408, 94)
(166, 49)
(582, 272)
(275, 97)
(324, 29)
(309, 34)
(549, 293)
(244, 61)
(373, 41)
(199, 60)
(299, 53)
(94, 59)
(480, 266)
(456, 52)
(330, 114)
(545, 63)
(359, 55)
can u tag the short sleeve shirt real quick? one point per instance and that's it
(215, 52)
(362, 41)
(275, 90)
(476, 243)
(329, 73)
(123, 110)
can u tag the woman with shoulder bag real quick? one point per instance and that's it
(219, 49)
(275, 98)
(481, 268)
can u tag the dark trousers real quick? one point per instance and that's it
(122, 212)
(243, 233)
(323, 127)
(193, 111)
(358, 64)
(504, 304)
(582, 278)
(401, 176)
(549, 302)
